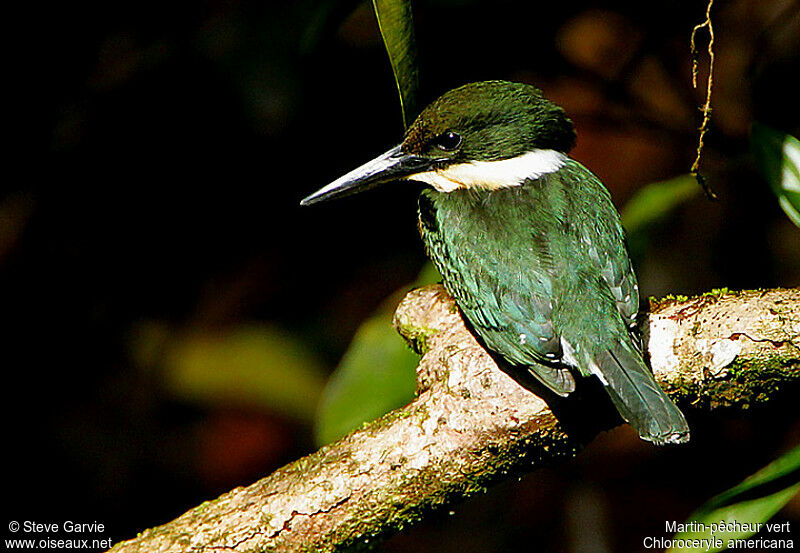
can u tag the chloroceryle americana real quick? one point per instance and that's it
(528, 243)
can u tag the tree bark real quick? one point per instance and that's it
(471, 425)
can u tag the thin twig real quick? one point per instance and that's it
(706, 109)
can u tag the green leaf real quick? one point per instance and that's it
(397, 29)
(651, 205)
(376, 374)
(656, 201)
(252, 366)
(778, 158)
(754, 501)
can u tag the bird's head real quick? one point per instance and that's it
(490, 134)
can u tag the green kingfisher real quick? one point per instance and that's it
(528, 243)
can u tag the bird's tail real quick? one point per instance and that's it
(638, 397)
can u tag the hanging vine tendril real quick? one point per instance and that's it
(706, 109)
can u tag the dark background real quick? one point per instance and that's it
(161, 153)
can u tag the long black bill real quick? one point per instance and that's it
(392, 165)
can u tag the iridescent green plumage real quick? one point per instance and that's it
(542, 268)
(528, 243)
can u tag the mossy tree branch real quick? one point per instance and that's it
(471, 424)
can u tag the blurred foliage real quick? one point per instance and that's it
(249, 366)
(653, 204)
(376, 374)
(656, 201)
(756, 499)
(397, 29)
(778, 158)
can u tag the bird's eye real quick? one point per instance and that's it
(448, 141)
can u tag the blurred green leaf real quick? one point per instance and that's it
(650, 206)
(256, 366)
(376, 374)
(778, 158)
(397, 29)
(755, 500)
(656, 201)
